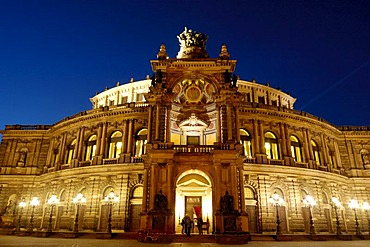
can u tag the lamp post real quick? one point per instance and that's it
(353, 204)
(34, 202)
(309, 202)
(78, 200)
(337, 205)
(21, 205)
(277, 201)
(366, 207)
(110, 199)
(53, 201)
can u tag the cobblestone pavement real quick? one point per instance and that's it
(18, 241)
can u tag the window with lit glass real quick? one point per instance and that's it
(246, 141)
(137, 192)
(271, 146)
(70, 151)
(295, 147)
(316, 152)
(248, 193)
(90, 148)
(115, 145)
(332, 159)
(140, 142)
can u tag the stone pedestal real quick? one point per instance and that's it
(8, 221)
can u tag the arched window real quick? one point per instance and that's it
(271, 146)
(325, 199)
(279, 192)
(70, 151)
(246, 141)
(137, 192)
(316, 153)
(295, 147)
(115, 145)
(140, 141)
(90, 148)
(248, 193)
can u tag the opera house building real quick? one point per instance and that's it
(191, 140)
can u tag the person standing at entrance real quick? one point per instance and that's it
(200, 224)
(188, 225)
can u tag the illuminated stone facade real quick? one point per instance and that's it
(194, 132)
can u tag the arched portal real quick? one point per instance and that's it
(194, 198)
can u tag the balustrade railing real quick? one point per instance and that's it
(110, 161)
(193, 148)
(276, 162)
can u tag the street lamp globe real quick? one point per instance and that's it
(78, 200)
(309, 202)
(110, 199)
(337, 205)
(353, 204)
(53, 201)
(34, 202)
(21, 205)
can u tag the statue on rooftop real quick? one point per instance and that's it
(192, 44)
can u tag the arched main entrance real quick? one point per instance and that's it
(194, 198)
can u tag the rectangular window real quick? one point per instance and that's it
(274, 102)
(139, 97)
(248, 97)
(192, 140)
(261, 99)
(123, 99)
(111, 102)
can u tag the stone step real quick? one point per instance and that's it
(194, 238)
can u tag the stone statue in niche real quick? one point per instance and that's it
(160, 202)
(22, 158)
(365, 157)
(9, 208)
(227, 203)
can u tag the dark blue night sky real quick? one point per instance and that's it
(55, 55)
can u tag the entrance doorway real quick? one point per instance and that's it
(194, 198)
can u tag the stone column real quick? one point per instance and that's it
(170, 190)
(150, 120)
(287, 140)
(324, 150)
(233, 182)
(283, 141)
(217, 190)
(124, 137)
(144, 207)
(262, 137)
(337, 155)
(103, 140)
(168, 123)
(153, 188)
(75, 152)
(63, 149)
(256, 139)
(81, 144)
(98, 140)
(309, 144)
(50, 153)
(237, 124)
(130, 134)
(218, 123)
(242, 196)
(306, 144)
(157, 119)
(229, 123)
